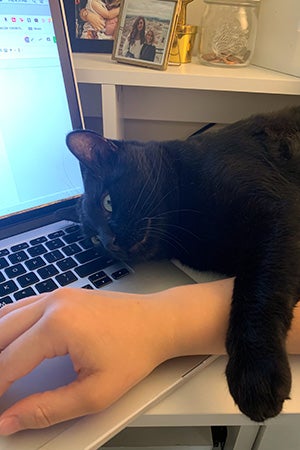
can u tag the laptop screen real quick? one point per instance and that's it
(36, 167)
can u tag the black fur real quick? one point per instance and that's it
(227, 201)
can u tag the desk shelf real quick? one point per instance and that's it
(100, 69)
(190, 93)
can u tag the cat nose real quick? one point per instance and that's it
(113, 246)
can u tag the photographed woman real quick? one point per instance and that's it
(148, 49)
(134, 42)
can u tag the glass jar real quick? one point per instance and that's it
(228, 32)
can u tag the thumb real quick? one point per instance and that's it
(44, 409)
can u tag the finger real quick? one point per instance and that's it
(17, 321)
(20, 304)
(26, 352)
(79, 398)
(100, 25)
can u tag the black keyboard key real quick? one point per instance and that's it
(5, 301)
(103, 282)
(97, 275)
(100, 279)
(66, 278)
(47, 271)
(18, 247)
(66, 264)
(46, 286)
(2, 277)
(86, 243)
(71, 249)
(56, 234)
(18, 257)
(37, 250)
(35, 263)
(87, 286)
(73, 237)
(88, 255)
(4, 252)
(8, 287)
(72, 229)
(15, 271)
(28, 292)
(93, 266)
(54, 244)
(27, 279)
(56, 255)
(120, 273)
(38, 240)
(3, 263)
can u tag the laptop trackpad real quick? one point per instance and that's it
(49, 375)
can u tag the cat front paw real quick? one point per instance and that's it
(259, 385)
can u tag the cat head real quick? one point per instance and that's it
(130, 194)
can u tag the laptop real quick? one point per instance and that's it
(40, 184)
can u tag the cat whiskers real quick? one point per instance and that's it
(154, 170)
(144, 187)
(172, 211)
(173, 225)
(154, 205)
(142, 242)
(152, 230)
(187, 231)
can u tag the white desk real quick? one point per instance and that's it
(199, 94)
(189, 93)
(205, 400)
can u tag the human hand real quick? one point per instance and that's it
(111, 338)
(96, 21)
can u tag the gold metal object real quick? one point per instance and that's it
(183, 43)
(182, 14)
(184, 39)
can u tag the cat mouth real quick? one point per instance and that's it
(139, 246)
(123, 255)
(142, 250)
(137, 253)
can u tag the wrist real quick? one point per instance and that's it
(193, 319)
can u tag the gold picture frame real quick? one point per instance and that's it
(145, 32)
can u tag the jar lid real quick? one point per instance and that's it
(235, 2)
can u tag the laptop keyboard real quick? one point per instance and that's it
(51, 261)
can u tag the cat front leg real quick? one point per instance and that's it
(258, 371)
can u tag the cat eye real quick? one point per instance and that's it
(106, 203)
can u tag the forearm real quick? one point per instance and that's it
(104, 12)
(113, 339)
(195, 319)
(293, 339)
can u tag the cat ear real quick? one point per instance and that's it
(92, 150)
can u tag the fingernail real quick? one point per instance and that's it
(9, 425)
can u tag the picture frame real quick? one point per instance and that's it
(83, 36)
(145, 32)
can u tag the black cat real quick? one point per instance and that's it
(227, 201)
